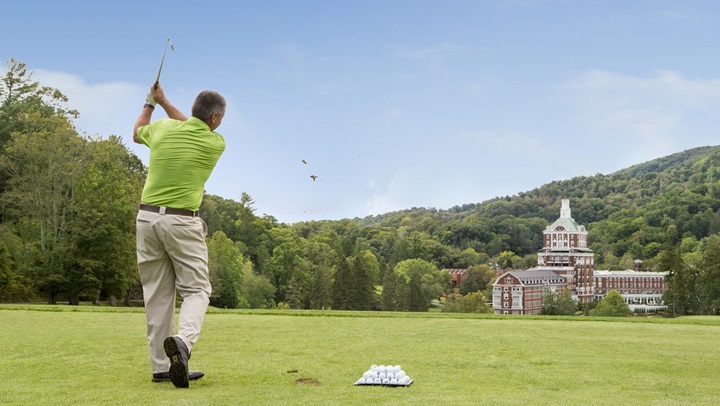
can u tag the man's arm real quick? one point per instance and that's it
(158, 96)
(143, 119)
(171, 111)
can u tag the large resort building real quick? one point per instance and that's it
(566, 262)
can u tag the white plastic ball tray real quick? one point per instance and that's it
(384, 376)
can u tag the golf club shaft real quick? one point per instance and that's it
(157, 80)
(160, 70)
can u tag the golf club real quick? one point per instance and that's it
(172, 48)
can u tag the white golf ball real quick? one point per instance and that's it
(390, 375)
(373, 367)
(385, 381)
(377, 380)
(367, 374)
(382, 375)
(400, 374)
(393, 381)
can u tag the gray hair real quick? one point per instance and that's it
(207, 103)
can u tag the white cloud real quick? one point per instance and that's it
(621, 120)
(665, 89)
(653, 110)
(466, 166)
(105, 108)
(401, 191)
(501, 142)
(111, 108)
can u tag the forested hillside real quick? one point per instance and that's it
(68, 202)
(627, 213)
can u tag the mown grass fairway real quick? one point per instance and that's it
(90, 355)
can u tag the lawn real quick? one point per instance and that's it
(98, 355)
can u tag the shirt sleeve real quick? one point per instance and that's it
(145, 133)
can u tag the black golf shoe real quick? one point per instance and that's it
(179, 355)
(165, 376)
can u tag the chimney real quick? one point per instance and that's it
(565, 209)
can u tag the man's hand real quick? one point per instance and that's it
(157, 95)
(150, 100)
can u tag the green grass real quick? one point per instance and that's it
(98, 355)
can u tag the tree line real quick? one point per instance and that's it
(68, 203)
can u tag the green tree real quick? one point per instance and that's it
(507, 259)
(471, 303)
(253, 232)
(20, 95)
(104, 205)
(226, 266)
(44, 161)
(549, 302)
(476, 279)
(613, 305)
(710, 276)
(322, 253)
(683, 293)
(566, 304)
(13, 286)
(355, 280)
(257, 290)
(558, 303)
(290, 269)
(418, 282)
(393, 296)
(469, 257)
(343, 288)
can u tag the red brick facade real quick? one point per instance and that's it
(521, 292)
(565, 262)
(457, 275)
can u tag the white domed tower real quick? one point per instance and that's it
(566, 253)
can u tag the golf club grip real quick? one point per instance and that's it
(156, 84)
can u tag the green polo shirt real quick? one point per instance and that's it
(183, 154)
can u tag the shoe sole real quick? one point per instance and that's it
(178, 370)
(192, 376)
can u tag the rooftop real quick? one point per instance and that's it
(628, 272)
(567, 223)
(536, 275)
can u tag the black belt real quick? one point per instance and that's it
(169, 210)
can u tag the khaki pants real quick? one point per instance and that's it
(172, 254)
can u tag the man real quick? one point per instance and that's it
(171, 250)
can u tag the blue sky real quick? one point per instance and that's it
(393, 104)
